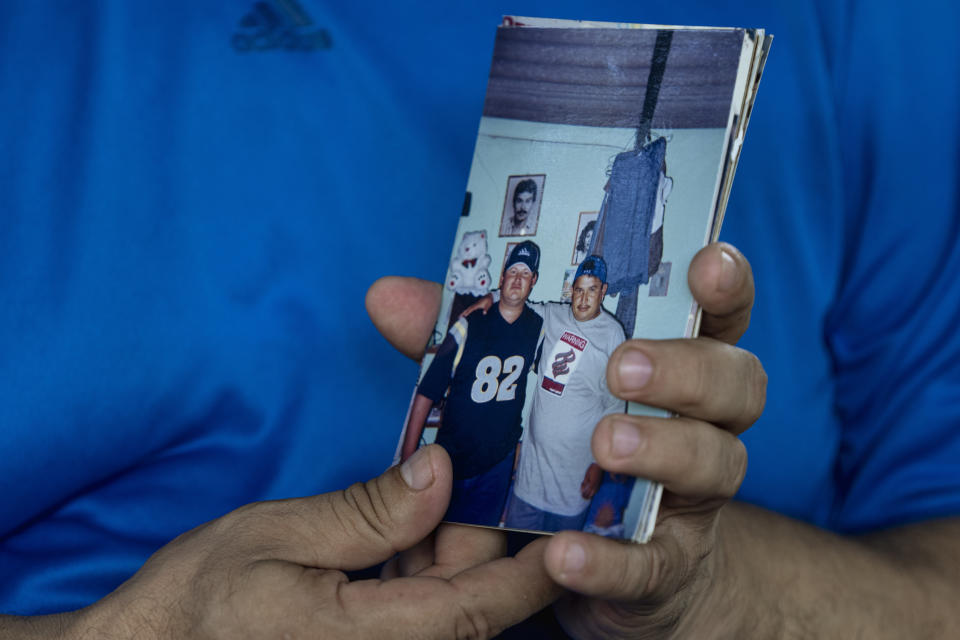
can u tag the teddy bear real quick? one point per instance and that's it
(469, 273)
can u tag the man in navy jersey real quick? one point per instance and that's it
(484, 360)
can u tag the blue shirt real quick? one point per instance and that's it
(188, 226)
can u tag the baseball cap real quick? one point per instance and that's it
(593, 266)
(526, 252)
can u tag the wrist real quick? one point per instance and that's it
(56, 626)
(724, 600)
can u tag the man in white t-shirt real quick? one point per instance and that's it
(556, 475)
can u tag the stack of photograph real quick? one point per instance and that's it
(603, 162)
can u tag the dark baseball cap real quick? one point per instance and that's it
(593, 266)
(526, 252)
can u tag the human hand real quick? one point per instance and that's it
(591, 481)
(663, 589)
(657, 589)
(275, 569)
(483, 304)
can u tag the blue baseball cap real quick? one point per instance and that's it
(528, 253)
(593, 266)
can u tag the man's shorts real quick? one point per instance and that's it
(523, 515)
(480, 499)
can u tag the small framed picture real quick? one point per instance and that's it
(586, 229)
(566, 290)
(521, 205)
(660, 281)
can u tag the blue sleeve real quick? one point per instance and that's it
(892, 328)
(437, 378)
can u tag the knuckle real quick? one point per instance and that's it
(625, 572)
(746, 392)
(756, 392)
(659, 573)
(736, 326)
(691, 456)
(363, 511)
(760, 382)
(471, 625)
(624, 577)
(238, 517)
(715, 470)
(740, 463)
(696, 383)
(735, 469)
(250, 527)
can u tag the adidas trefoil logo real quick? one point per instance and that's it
(279, 24)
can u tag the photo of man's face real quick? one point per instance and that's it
(517, 282)
(587, 299)
(521, 208)
(523, 203)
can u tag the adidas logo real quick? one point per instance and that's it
(279, 24)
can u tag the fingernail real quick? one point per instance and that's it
(635, 369)
(625, 440)
(417, 471)
(574, 558)
(729, 274)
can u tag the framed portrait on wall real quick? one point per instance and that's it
(521, 205)
(586, 228)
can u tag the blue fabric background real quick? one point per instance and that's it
(187, 233)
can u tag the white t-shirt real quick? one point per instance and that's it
(571, 396)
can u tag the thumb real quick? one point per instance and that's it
(404, 310)
(371, 521)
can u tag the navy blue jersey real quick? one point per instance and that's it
(484, 360)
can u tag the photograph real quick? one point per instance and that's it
(521, 205)
(585, 230)
(566, 289)
(514, 380)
